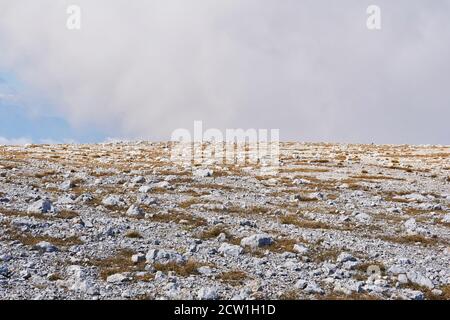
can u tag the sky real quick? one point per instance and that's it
(144, 68)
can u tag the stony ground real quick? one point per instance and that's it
(121, 220)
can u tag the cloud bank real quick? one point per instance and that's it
(15, 141)
(140, 69)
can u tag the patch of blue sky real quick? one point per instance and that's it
(17, 123)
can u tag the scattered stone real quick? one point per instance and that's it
(209, 293)
(117, 278)
(257, 241)
(45, 246)
(135, 211)
(344, 257)
(164, 256)
(138, 180)
(138, 257)
(145, 189)
(419, 279)
(230, 250)
(203, 173)
(301, 249)
(67, 185)
(113, 201)
(313, 288)
(4, 271)
(402, 279)
(41, 206)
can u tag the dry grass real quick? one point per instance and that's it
(412, 239)
(213, 232)
(148, 277)
(366, 177)
(29, 239)
(179, 217)
(303, 169)
(302, 223)
(343, 296)
(188, 203)
(428, 293)
(248, 211)
(322, 255)
(44, 174)
(64, 214)
(133, 234)
(119, 263)
(233, 278)
(282, 245)
(55, 277)
(416, 212)
(67, 214)
(182, 270)
(290, 295)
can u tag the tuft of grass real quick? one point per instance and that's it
(322, 255)
(148, 277)
(290, 295)
(118, 263)
(343, 296)
(64, 214)
(411, 239)
(183, 270)
(67, 214)
(44, 174)
(188, 203)
(302, 223)
(29, 239)
(177, 217)
(366, 177)
(233, 277)
(133, 234)
(282, 245)
(55, 277)
(213, 232)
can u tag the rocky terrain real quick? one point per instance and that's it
(121, 221)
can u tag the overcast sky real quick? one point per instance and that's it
(143, 68)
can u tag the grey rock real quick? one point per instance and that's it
(208, 293)
(344, 257)
(145, 189)
(41, 206)
(301, 284)
(138, 257)
(138, 180)
(4, 271)
(203, 173)
(301, 249)
(402, 279)
(135, 211)
(117, 278)
(230, 250)
(164, 256)
(419, 279)
(67, 185)
(313, 288)
(113, 200)
(257, 241)
(45, 246)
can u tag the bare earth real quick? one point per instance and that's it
(121, 220)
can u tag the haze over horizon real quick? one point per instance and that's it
(141, 69)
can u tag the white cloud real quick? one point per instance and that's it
(14, 141)
(310, 68)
